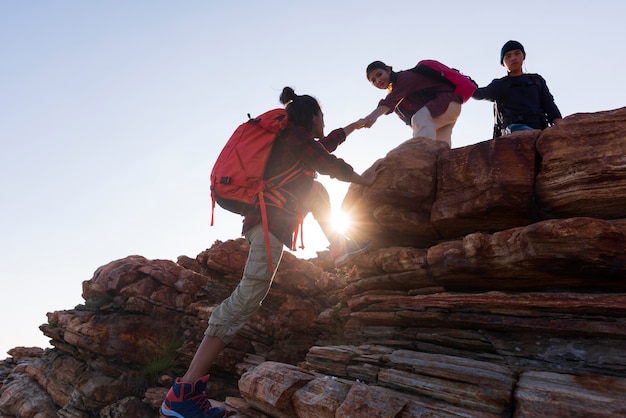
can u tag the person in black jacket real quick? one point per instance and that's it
(522, 101)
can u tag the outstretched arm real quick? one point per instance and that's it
(491, 92)
(372, 117)
(358, 179)
(348, 129)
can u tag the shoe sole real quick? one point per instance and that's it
(349, 256)
(177, 415)
(169, 414)
(172, 414)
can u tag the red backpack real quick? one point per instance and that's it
(237, 182)
(464, 85)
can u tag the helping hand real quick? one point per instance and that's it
(368, 121)
(361, 123)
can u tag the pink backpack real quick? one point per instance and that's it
(464, 85)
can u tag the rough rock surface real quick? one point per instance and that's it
(496, 288)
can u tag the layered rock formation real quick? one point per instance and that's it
(497, 288)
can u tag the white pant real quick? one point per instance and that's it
(233, 313)
(439, 128)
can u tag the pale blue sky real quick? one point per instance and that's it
(112, 113)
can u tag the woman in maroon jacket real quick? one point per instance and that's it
(429, 106)
(296, 144)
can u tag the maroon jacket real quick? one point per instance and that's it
(295, 144)
(411, 91)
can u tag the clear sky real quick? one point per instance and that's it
(113, 112)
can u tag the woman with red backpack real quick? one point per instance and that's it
(301, 141)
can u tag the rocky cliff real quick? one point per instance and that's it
(497, 288)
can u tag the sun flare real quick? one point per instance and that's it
(341, 221)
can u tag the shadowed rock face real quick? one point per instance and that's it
(496, 288)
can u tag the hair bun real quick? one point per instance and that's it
(287, 95)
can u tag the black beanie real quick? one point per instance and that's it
(511, 46)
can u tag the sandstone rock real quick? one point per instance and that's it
(470, 305)
(391, 260)
(476, 386)
(583, 168)
(154, 396)
(239, 408)
(77, 384)
(566, 395)
(226, 257)
(20, 353)
(437, 386)
(127, 407)
(395, 211)
(371, 401)
(320, 398)
(271, 386)
(568, 254)
(551, 331)
(486, 187)
(22, 396)
(406, 267)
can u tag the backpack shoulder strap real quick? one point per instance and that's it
(506, 89)
(498, 105)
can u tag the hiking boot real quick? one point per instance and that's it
(189, 400)
(347, 250)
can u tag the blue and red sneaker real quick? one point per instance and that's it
(189, 400)
(345, 250)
